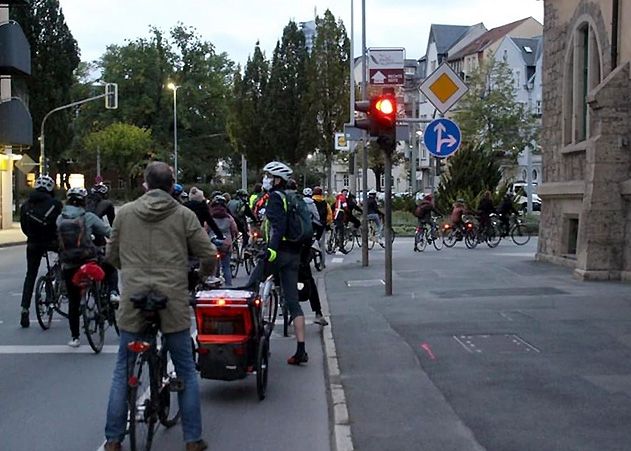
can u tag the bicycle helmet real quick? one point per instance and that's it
(177, 189)
(100, 188)
(344, 189)
(77, 193)
(307, 192)
(242, 193)
(372, 192)
(45, 182)
(219, 199)
(317, 190)
(278, 169)
(184, 195)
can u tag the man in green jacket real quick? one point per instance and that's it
(150, 243)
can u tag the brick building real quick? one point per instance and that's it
(586, 218)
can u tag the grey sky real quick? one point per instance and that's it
(234, 26)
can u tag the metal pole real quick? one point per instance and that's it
(175, 130)
(98, 161)
(244, 172)
(352, 64)
(365, 144)
(529, 178)
(388, 215)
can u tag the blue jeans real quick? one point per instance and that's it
(225, 266)
(179, 346)
(378, 223)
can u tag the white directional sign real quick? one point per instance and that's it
(443, 88)
(442, 137)
(385, 66)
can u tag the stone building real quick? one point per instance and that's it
(586, 223)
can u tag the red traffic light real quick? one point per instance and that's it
(384, 110)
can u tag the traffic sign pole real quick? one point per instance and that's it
(387, 155)
(364, 144)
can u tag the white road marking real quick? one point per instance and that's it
(515, 254)
(57, 320)
(55, 349)
(337, 260)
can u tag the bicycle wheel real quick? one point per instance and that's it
(269, 307)
(493, 237)
(420, 241)
(316, 256)
(450, 239)
(262, 358)
(437, 239)
(248, 264)
(59, 291)
(169, 412)
(519, 234)
(235, 259)
(142, 416)
(330, 243)
(372, 234)
(43, 304)
(348, 241)
(93, 320)
(471, 239)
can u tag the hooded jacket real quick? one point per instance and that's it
(93, 224)
(152, 239)
(311, 206)
(324, 209)
(225, 222)
(40, 234)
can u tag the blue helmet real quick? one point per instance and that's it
(177, 189)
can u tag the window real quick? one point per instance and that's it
(527, 49)
(433, 66)
(538, 108)
(572, 235)
(410, 70)
(505, 57)
(517, 78)
(582, 74)
(346, 180)
(382, 179)
(534, 175)
(524, 174)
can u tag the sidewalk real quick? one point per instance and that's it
(481, 349)
(12, 236)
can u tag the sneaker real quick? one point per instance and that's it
(74, 343)
(115, 299)
(24, 321)
(297, 359)
(199, 445)
(113, 446)
(321, 321)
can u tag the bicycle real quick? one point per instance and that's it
(372, 235)
(490, 233)
(427, 235)
(149, 382)
(518, 231)
(236, 258)
(465, 232)
(50, 294)
(96, 308)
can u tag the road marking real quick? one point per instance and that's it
(516, 254)
(55, 349)
(337, 260)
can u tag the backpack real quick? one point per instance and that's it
(75, 245)
(299, 225)
(40, 216)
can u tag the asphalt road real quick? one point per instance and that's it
(481, 349)
(54, 398)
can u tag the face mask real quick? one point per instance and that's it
(268, 182)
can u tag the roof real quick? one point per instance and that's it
(528, 47)
(445, 36)
(487, 39)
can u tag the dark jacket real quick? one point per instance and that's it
(424, 211)
(201, 210)
(101, 207)
(44, 205)
(486, 207)
(372, 206)
(506, 207)
(276, 215)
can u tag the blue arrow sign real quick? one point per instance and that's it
(442, 137)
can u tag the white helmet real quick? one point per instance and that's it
(46, 182)
(77, 193)
(372, 191)
(307, 192)
(278, 169)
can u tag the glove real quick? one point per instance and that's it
(271, 255)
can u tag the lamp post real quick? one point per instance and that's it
(174, 88)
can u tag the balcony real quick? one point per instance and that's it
(16, 124)
(15, 51)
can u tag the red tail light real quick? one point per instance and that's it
(446, 226)
(203, 351)
(132, 381)
(257, 302)
(469, 225)
(138, 346)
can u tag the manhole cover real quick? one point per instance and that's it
(496, 292)
(495, 343)
(365, 283)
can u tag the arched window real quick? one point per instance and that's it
(534, 175)
(582, 74)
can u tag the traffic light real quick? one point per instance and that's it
(381, 115)
(111, 96)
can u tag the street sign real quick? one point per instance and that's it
(385, 66)
(25, 164)
(341, 143)
(442, 137)
(443, 88)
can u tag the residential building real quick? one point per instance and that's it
(16, 125)
(309, 30)
(586, 138)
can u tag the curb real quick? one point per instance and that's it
(341, 434)
(13, 244)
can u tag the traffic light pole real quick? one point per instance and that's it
(364, 145)
(387, 156)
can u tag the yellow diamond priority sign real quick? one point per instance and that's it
(443, 88)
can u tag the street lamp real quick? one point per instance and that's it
(173, 87)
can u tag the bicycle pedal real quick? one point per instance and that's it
(176, 385)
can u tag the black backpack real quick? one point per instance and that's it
(75, 245)
(299, 225)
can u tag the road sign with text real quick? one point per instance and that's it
(442, 138)
(385, 66)
(443, 88)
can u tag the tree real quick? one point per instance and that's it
(124, 148)
(490, 116)
(54, 57)
(286, 96)
(471, 172)
(328, 80)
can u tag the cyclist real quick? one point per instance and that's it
(98, 202)
(75, 228)
(326, 218)
(485, 209)
(339, 215)
(456, 214)
(151, 241)
(197, 203)
(225, 222)
(257, 192)
(177, 192)
(505, 209)
(283, 254)
(352, 206)
(374, 214)
(38, 216)
(240, 211)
